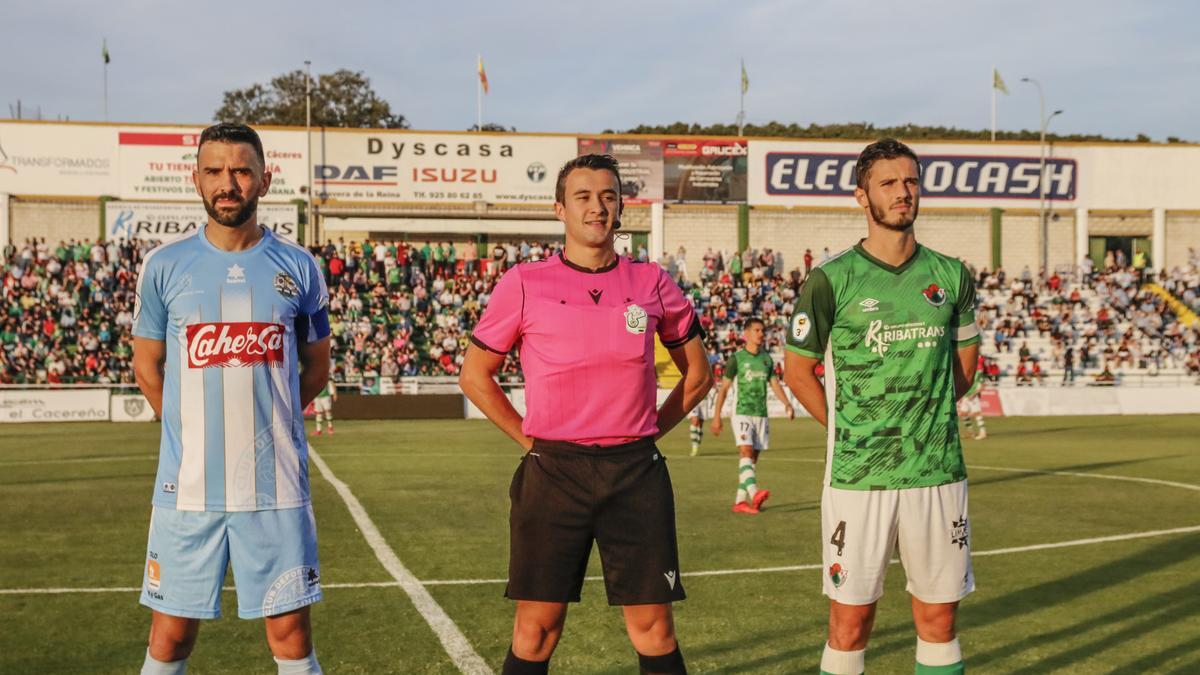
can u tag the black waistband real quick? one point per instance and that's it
(640, 444)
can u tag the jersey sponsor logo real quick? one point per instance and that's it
(286, 285)
(869, 305)
(236, 275)
(234, 344)
(959, 532)
(880, 337)
(838, 574)
(801, 325)
(635, 320)
(934, 295)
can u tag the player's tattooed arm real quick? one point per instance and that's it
(148, 358)
(800, 376)
(966, 359)
(478, 383)
(692, 360)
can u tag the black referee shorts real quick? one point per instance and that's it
(565, 495)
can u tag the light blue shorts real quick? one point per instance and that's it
(273, 554)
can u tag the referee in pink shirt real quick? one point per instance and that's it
(584, 322)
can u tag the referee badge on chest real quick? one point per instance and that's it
(635, 319)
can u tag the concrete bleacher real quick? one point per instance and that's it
(996, 304)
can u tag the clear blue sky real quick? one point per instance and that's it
(1116, 68)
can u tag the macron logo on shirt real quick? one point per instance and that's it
(235, 344)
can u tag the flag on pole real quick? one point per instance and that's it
(998, 82)
(483, 76)
(104, 52)
(745, 78)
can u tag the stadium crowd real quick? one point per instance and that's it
(404, 309)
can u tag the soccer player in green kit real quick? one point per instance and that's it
(752, 368)
(894, 324)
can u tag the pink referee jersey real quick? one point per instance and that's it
(586, 342)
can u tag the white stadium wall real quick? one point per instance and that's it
(55, 219)
(1183, 232)
(697, 228)
(799, 191)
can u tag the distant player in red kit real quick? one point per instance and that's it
(584, 322)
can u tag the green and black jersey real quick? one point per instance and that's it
(751, 373)
(889, 337)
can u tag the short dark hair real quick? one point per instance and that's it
(592, 161)
(751, 321)
(226, 132)
(884, 148)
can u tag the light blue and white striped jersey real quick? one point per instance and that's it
(233, 429)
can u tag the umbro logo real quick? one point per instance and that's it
(869, 305)
(670, 578)
(595, 293)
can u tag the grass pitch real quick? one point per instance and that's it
(75, 506)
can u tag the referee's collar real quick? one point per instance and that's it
(580, 268)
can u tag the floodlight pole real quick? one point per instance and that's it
(1042, 219)
(308, 201)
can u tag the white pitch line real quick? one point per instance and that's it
(76, 460)
(453, 641)
(1133, 479)
(702, 573)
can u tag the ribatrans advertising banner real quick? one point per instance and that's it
(641, 165)
(57, 159)
(157, 163)
(790, 174)
(705, 171)
(399, 166)
(167, 221)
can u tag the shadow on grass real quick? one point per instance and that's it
(716, 650)
(1065, 590)
(791, 507)
(83, 479)
(1076, 468)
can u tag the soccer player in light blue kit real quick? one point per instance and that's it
(225, 318)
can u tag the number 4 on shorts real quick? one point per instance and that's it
(839, 536)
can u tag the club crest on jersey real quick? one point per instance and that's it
(935, 295)
(801, 325)
(635, 320)
(286, 285)
(838, 574)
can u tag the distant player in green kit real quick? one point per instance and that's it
(752, 368)
(894, 323)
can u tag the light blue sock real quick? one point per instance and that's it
(305, 666)
(153, 666)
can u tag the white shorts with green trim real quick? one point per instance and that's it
(860, 530)
(752, 431)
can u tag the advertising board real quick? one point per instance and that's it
(396, 166)
(162, 221)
